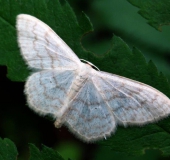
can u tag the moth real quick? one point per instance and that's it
(90, 103)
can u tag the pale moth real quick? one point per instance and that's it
(90, 102)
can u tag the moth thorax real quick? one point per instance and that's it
(80, 80)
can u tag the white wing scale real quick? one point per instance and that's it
(47, 91)
(41, 47)
(89, 102)
(88, 115)
(131, 102)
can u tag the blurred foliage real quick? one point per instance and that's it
(109, 17)
(156, 12)
(8, 150)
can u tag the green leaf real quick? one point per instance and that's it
(8, 150)
(45, 154)
(120, 59)
(156, 12)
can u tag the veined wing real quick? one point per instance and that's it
(41, 47)
(88, 115)
(47, 91)
(131, 102)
